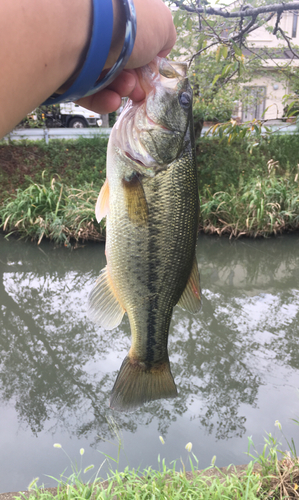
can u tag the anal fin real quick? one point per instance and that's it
(137, 384)
(191, 296)
(104, 307)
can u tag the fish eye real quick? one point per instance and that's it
(185, 100)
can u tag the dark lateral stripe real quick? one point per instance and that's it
(152, 286)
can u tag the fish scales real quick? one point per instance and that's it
(152, 221)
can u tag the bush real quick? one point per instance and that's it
(222, 165)
(217, 109)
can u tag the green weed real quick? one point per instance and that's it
(54, 211)
(260, 207)
(265, 477)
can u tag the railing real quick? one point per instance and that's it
(36, 134)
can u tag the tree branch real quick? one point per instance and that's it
(247, 12)
(287, 39)
(279, 14)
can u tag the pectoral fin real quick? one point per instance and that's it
(102, 205)
(191, 296)
(136, 203)
(104, 306)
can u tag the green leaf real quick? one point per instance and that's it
(237, 49)
(216, 77)
(226, 70)
(176, 18)
(224, 51)
(256, 128)
(235, 66)
(189, 24)
(218, 54)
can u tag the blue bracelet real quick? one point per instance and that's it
(87, 82)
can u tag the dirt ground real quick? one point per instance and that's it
(15, 165)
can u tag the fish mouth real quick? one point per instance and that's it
(136, 130)
(128, 132)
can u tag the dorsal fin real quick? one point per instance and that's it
(102, 205)
(104, 306)
(191, 296)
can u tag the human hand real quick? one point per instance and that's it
(155, 36)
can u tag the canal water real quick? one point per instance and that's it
(236, 364)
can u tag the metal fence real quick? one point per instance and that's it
(36, 134)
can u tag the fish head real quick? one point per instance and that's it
(153, 133)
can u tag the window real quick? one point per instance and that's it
(253, 103)
(295, 20)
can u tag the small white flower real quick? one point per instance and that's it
(162, 440)
(57, 445)
(81, 451)
(188, 447)
(278, 424)
(213, 460)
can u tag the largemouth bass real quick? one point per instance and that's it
(150, 198)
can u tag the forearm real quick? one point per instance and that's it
(42, 44)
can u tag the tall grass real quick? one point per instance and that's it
(54, 211)
(271, 474)
(259, 207)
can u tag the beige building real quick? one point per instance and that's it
(267, 89)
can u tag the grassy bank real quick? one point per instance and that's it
(252, 194)
(50, 190)
(273, 474)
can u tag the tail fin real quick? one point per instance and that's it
(136, 384)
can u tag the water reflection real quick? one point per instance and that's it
(59, 368)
